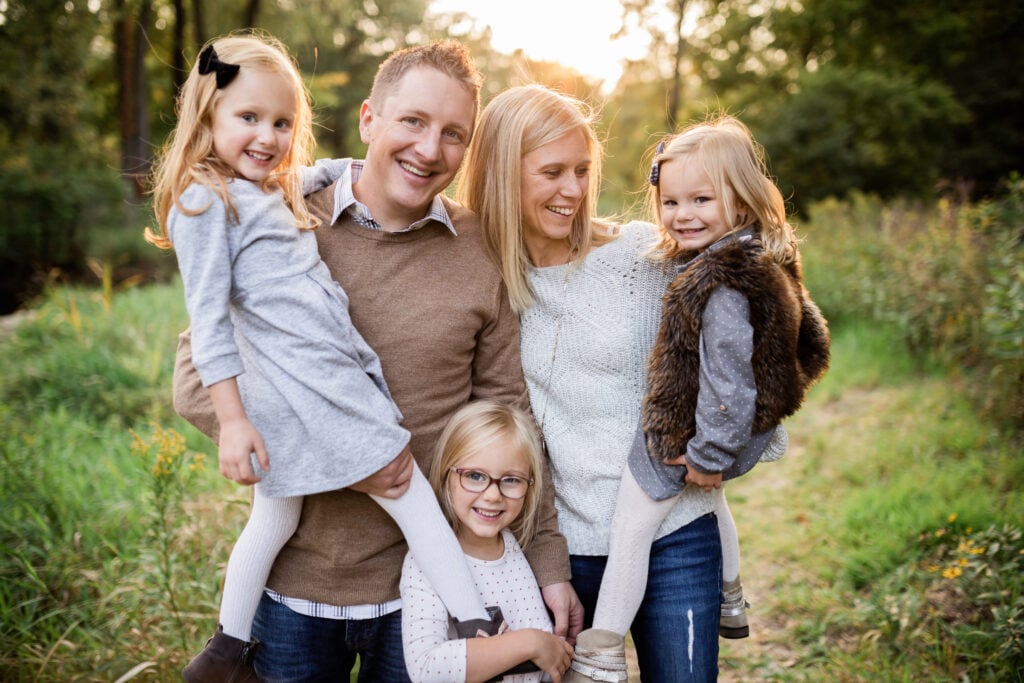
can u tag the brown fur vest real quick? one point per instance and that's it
(791, 342)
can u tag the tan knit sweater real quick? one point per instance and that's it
(434, 309)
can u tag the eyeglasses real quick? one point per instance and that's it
(510, 486)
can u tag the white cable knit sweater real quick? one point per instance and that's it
(585, 344)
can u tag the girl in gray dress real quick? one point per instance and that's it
(299, 396)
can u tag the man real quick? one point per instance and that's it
(426, 298)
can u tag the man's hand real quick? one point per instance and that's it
(390, 481)
(566, 608)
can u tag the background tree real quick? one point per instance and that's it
(890, 98)
(131, 21)
(52, 183)
(842, 92)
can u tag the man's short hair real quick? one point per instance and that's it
(450, 57)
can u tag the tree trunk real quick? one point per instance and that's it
(133, 98)
(178, 69)
(198, 29)
(675, 91)
(141, 94)
(252, 12)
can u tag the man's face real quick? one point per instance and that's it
(416, 138)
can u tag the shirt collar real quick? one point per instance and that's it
(743, 235)
(345, 200)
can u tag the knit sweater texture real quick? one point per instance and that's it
(434, 309)
(585, 344)
(432, 652)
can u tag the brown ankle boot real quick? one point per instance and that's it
(223, 660)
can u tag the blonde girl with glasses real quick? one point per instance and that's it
(487, 476)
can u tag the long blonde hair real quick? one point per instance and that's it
(724, 148)
(188, 156)
(515, 123)
(477, 426)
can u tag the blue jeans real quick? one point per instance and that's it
(684, 597)
(295, 647)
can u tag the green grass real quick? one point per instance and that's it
(109, 566)
(77, 579)
(882, 456)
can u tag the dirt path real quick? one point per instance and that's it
(772, 517)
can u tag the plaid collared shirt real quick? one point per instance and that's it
(336, 612)
(345, 200)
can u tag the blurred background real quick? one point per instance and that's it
(895, 99)
(888, 545)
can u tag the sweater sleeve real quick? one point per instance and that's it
(429, 655)
(322, 174)
(201, 244)
(727, 395)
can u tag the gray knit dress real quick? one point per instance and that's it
(265, 309)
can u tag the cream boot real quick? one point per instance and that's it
(733, 621)
(600, 656)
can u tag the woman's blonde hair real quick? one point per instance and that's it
(479, 425)
(515, 123)
(188, 156)
(724, 148)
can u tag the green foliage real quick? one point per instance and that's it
(52, 198)
(877, 455)
(965, 596)
(93, 358)
(55, 183)
(79, 577)
(844, 84)
(171, 469)
(843, 127)
(947, 278)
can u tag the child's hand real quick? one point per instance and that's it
(238, 441)
(553, 656)
(705, 481)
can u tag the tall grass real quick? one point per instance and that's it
(80, 595)
(948, 279)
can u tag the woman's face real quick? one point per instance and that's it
(555, 180)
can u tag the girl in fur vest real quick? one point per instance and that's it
(740, 343)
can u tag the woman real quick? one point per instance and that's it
(589, 302)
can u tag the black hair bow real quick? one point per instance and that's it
(209, 63)
(656, 165)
